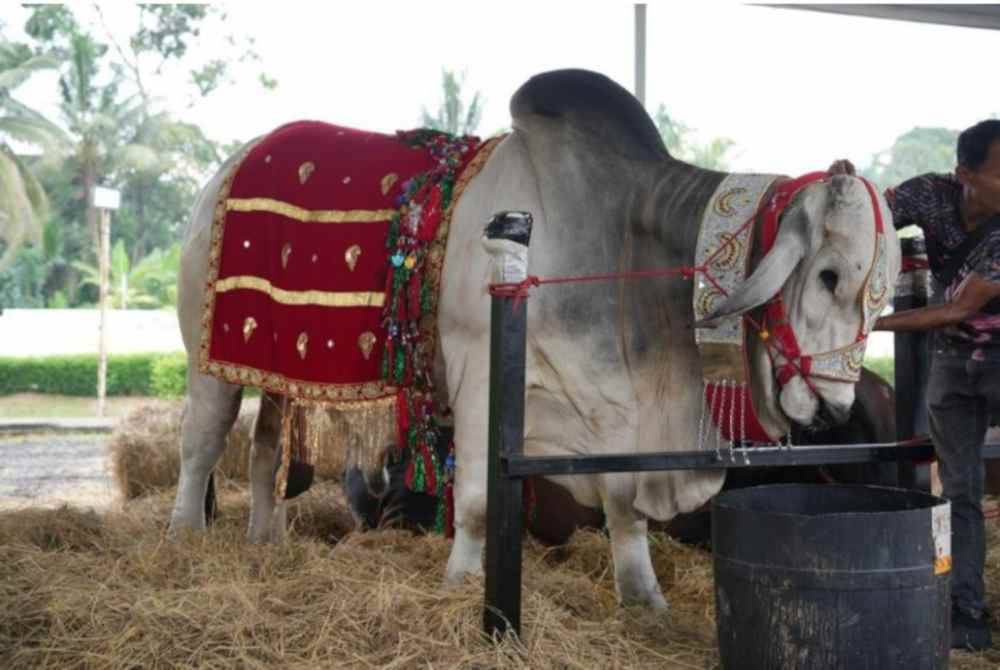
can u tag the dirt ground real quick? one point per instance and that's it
(52, 470)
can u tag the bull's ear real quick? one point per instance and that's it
(769, 277)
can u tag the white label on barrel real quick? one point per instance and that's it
(941, 530)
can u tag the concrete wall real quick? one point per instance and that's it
(41, 332)
(45, 332)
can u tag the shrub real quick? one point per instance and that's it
(169, 376)
(129, 374)
(76, 375)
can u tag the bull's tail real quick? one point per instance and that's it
(211, 504)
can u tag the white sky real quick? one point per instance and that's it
(793, 89)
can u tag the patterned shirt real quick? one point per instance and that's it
(931, 202)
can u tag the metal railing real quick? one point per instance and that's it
(508, 466)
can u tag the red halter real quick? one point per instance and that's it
(776, 332)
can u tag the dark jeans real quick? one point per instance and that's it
(961, 394)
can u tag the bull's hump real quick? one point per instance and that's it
(594, 102)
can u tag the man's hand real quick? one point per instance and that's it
(842, 166)
(974, 293)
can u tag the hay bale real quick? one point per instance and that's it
(145, 449)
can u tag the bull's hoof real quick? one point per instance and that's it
(180, 523)
(455, 575)
(653, 600)
(466, 558)
(269, 530)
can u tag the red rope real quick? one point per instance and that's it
(914, 263)
(520, 290)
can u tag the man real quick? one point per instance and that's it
(960, 217)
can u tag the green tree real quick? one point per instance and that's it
(95, 117)
(149, 283)
(915, 152)
(161, 171)
(121, 134)
(23, 203)
(454, 114)
(677, 137)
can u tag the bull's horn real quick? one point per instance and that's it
(765, 282)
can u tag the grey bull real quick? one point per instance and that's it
(612, 367)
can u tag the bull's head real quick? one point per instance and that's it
(824, 265)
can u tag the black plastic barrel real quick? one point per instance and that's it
(811, 577)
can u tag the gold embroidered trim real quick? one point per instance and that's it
(214, 256)
(308, 215)
(439, 246)
(310, 297)
(342, 396)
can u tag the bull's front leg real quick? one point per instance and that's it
(635, 581)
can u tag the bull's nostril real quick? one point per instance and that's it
(834, 415)
(829, 279)
(378, 483)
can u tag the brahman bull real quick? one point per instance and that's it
(612, 367)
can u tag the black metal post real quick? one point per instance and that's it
(912, 365)
(506, 240)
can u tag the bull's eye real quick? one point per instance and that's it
(829, 279)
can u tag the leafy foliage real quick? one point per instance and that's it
(677, 137)
(23, 204)
(118, 134)
(915, 152)
(152, 282)
(169, 376)
(454, 114)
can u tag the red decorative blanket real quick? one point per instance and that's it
(325, 268)
(298, 266)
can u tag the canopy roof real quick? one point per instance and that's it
(969, 16)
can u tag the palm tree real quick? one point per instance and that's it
(122, 139)
(454, 115)
(149, 283)
(23, 205)
(94, 116)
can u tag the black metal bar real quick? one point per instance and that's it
(912, 365)
(508, 335)
(519, 467)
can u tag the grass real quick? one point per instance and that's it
(884, 367)
(45, 406)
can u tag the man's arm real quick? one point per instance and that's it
(973, 295)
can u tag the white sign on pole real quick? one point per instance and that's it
(107, 198)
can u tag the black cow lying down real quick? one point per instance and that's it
(556, 514)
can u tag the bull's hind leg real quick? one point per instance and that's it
(635, 580)
(267, 519)
(210, 409)
(471, 407)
